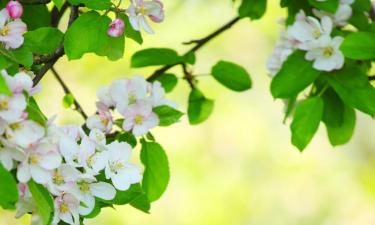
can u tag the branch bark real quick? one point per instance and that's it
(77, 106)
(34, 2)
(198, 44)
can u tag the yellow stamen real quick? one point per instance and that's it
(84, 186)
(4, 31)
(328, 51)
(33, 159)
(4, 105)
(138, 119)
(58, 178)
(64, 208)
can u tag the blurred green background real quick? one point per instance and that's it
(239, 167)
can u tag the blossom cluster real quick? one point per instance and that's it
(134, 99)
(138, 12)
(313, 35)
(11, 26)
(67, 160)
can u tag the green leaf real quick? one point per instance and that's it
(338, 118)
(168, 81)
(155, 57)
(167, 115)
(34, 112)
(199, 108)
(361, 5)
(295, 75)
(254, 9)
(44, 202)
(8, 189)
(43, 40)
(4, 62)
(18, 56)
(93, 4)
(36, 16)
(129, 30)
(58, 3)
(156, 174)
(68, 101)
(142, 203)
(125, 197)
(306, 121)
(189, 58)
(359, 45)
(327, 5)
(353, 87)
(4, 89)
(87, 34)
(129, 138)
(231, 76)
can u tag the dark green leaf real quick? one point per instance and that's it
(34, 112)
(129, 30)
(93, 4)
(128, 137)
(327, 5)
(254, 9)
(199, 108)
(155, 57)
(142, 203)
(43, 40)
(36, 16)
(306, 121)
(168, 81)
(44, 202)
(295, 75)
(231, 76)
(167, 115)
(359, 45)
(156, 174)
(8, 189)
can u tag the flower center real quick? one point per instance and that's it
(15, 126)
(4, 104)
(33, 159)
(132, 99)
(116, 166)
(64, 208)
(104, 121)
(138, 119)
(58, 178)
(328, 51)
(90, 160)
(84, 186)
(316, 34)
(4, 31)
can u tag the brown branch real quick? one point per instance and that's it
(34, 2)
(198, 44)
(57, 14)
(371, 78)
(77, 106)
(188, 76)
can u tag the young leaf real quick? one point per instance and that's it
(87, 34)
(359, 45)
(125, 197)
(4, 89)
(44, 202)
(254, 9)
(353, 87)
(68, 101)
(327, 5)
(199, 108)
(156, 175)
(58, 3)
(8, 189)
(128, 137)
(135, 35)
(43, 40)
(306, 121)
(295, 75)
(155, 57)
(168, 81)
(231, 76)
(167, 115)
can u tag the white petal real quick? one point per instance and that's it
(103, 190)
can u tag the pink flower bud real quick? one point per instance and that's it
(15, 9)
(157, 15)
(116, 28)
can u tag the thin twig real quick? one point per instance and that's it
(199, 44)
(371, 78)
(34, 2)
(66, 89)
(188, 76)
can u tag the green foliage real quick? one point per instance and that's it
(199, 108)
(34, 112)
(328, 5)
(89, 34)
(21, 56)
(231, 76)
(127, 137)
(129, 30)
(93, 4)
(156, 174)
(359, 45)
(44, 202)
(58, 3)
(125, 197)
(168, 81)
(155, 57)
(68, 101)
(4, 89)
(295, 75)
(36, 16)
(8, 189)
(306, 121)
(167, 115)
(43, 40)
(254, 9)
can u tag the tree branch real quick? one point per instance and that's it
(371, 78)
(34, 2)
(77, 106)
(198, 44)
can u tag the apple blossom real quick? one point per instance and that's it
(326, 54)
(102, 121)
(140, 9)
(15, 9)
(104, 96)
(118, 169)
(12, 107)
(116, 28)
(91, 156)
(26, 202)
(24, 133)
(63, 179)
(157, 96)
(8, 155)
(11, 31)
(139, 118)
(66, 209)
(19, 82)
